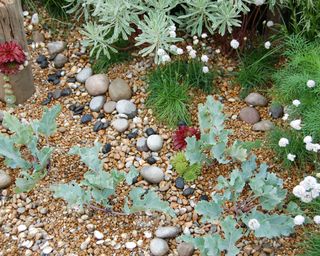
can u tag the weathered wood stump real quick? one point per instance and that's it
(11, 28)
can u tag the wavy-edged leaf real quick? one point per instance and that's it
(210, 211)
(47, 126)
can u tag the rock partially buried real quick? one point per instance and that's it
(249, 115)
(109, 107)
(119, 90)
(126, 107)
(167, 232)
(142, 145)
(159, 247)
(56, 47)
(276, 111)
(185, 249)
(155, 142)
(5, 180)
(97, 103)
(120, 124)
(264, 125)
(152, 174)
(60, 60)
(83, 75)
(97, 84)
(256, 99)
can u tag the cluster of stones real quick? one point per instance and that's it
(251, 115)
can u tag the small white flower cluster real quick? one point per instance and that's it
(259, 2)
(253, 224)
(296, 124)
(172, 31)
(267, 45)
(311, 83)
(163, 56)
(234, 44)
(314, 147)
(307, 190)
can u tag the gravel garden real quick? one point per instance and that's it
(161, 127)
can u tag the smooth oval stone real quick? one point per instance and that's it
(119, 90)
(60, 60)
(86, 118)
(56, 47)
(5, 180)
(97, 84)
(276, 111)
(83, 75)
(159, 247)
(185, 249)
(264, 125)
(151, 160)
(180, 183)
(97, 103)
(106, 148)
(150, 131)
(109, 106)
(155, 142)
(167, 232)
(152, 174)
(126, 107)
(256, 99)
(142, 145)
(188, 191)
(120, 125)
(249, 115)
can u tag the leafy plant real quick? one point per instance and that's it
(181, 134)
(311, 244)
(183, 167)
(25, 141)
(97, 186)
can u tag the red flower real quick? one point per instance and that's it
(181, 134)
(11, 57)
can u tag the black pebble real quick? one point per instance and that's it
(106, 148)
(76, 109)
(66, 92)
(150, 131)
(50, 95)
(86, 118)
(188, 191)
(204, 198)
(71, 80)
(57, 94)
(52, 78)
(132, 135)
(151, 160)
(44, 64)
(180, 182)
(41, 58)
(98, 126)
(101, 115)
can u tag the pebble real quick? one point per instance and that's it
(109, 106)
(126, 107)
(185, 249)
(159, 247)
(249, 115)
(152, 174)
(203, 198)
(60, 60)
(188, 191)
(83, 75)
(264, 125)
(97, 84)
(119, 90)
(276, 110)
(100, 126)
(97, 103)
(98, 235)
(180, 183)
(155, 142)
(86, 118)
(5, 180)
(56, 47)
(106, 148)
(142, 145)
(256, 99)
(151, 160)
(120, 125)
(150, 131)
(47, 250)
(130, 245)
(167, 232)
(22, 228)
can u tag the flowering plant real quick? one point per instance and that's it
(12, 57)
(181, 134)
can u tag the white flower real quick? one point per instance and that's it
(285, 117)
(309, 182)
(283, 142)
(270, 23)
(298, 220)
(259, 2)
(166, 58)
(193, 54)
(307, 198)
(196, 41)
(267, 45)
(234, 44)
(291, 157)
(179, 51)
(217, 51)
(309, 146)
(205, 69)
(204, 58)
(253, 224)
(173, 48)
(172, 28)
(204, 35)
(307, 139)
(299, 191)
(316, 147)
(172, 34)
(316, 219)
(189, 48)
(311, 83)
(161, 52)
(195, 37)
(296, 124)
(296, 103)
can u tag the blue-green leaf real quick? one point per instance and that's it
(210, 211)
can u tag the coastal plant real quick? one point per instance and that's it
(184, 169)
(22, 150)
(98, 186)
(180, 135)
(242, 204)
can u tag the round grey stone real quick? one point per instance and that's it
(109, 107)
(97, 84)
(256, 99)
(120, 125)
(155, 142)
(167, 232)
(276, 111)
(97, 103)
(142, 145)
(56, 47)
(119, 90)
(83, 75)
(60, 60)
(152, 174)
(159, 247)
(264, 125)
(185, 249)
(126, 107)
(5, 180)
(249, 115)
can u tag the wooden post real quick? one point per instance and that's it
(11, 28)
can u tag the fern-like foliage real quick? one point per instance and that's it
(183, 167)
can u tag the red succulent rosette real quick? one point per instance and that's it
(179, 142)
(11, 57)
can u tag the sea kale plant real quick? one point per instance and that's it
(147, 23)
(21, 150)
(98, 186)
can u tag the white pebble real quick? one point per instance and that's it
(47, 250)
(147, 234)
(98, 235)
(130, 245)
(22, 228)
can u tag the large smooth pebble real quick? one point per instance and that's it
(185, 249)
(5, 180)
(120, 124)
(97, 103)
(152, 174)
(97, 84)
(98, 235)
(56, 47)
(249, 115)
(256, 99)
(130, 245)
(264, 125)
(83, 75)
(155, 142)
(159, 247)
(109, 107)
(167, 232)
(119, 90)
(126, 107)
(142, 144)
